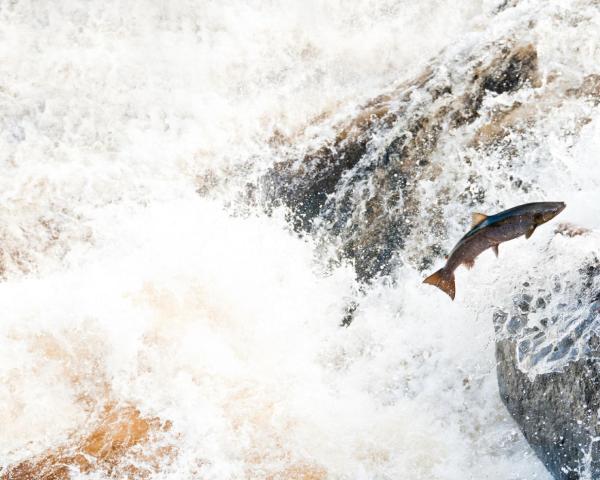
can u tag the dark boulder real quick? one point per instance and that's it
(548, 364)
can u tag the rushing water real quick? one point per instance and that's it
(125, 289)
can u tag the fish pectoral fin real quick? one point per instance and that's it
(530, 231)
(469, 264)
(477, 218)
(495, 249)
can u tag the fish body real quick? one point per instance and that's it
(490, 232)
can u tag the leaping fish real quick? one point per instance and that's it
(489, 232)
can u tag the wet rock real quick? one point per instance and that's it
(570, 230)
(549, 372)
(113, 447)
(362, 188)
(589, 88)
(349, 313)
(510, 72)
(557, 412)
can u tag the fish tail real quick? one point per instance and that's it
(444, 280)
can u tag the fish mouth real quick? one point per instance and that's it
(560, 207)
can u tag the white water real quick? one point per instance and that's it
(124, 286)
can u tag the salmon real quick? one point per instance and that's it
(489, 232)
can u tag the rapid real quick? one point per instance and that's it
(154, 325)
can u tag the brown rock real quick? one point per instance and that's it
(362, 187)
(109, 447)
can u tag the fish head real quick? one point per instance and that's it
(547, 211)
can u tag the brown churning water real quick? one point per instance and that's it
(490, 232)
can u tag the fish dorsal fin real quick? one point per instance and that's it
(477, 218)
